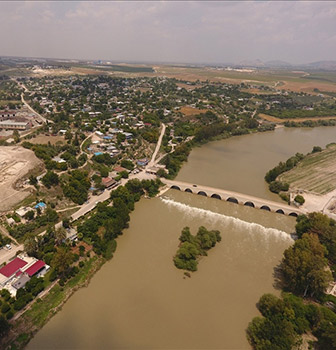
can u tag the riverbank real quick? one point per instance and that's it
(114, 219)
(43, 309)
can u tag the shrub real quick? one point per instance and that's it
(299, 199)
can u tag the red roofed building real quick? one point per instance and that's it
(35, 268)
(12, 267)
(108, 182)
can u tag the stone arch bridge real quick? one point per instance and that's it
(234, 197)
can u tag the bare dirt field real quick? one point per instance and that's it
(15, 162)
(272, 119)
(191, 111)
(189, 87)
(43, 139)
(308, 86)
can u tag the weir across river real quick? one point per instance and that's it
(234, 197)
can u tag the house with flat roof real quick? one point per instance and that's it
(19, 271)
(14, 125)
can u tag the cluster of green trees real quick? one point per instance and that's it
(48, 217)
(151, 135)
(278, 186)
(306, 270)
(310, 123)
(104, 158)
(192, 247)
(77, 186)
(4, 240)
(206, 133)
(282, 167)
(285, 319)
(50, 179)
(173, 161)
(108, 222)
(301, 113)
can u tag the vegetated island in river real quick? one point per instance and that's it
(192, 247)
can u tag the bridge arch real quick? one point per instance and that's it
(265, 207)
(293, 214)
(217, 196)
(249, 204)
(188, 190)
(280, 211)
(174, 187)
(232, 200)
(202, 193)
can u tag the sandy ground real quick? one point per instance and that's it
(15, 162)
(320, 203)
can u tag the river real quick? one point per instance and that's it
(139, 300)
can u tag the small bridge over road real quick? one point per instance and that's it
(234, 197)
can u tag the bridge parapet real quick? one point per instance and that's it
(235, 197)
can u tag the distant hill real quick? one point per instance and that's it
(325, 65)
(277, 64)
(318, 65)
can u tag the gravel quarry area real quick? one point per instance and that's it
(15, 162)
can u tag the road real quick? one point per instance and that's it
(44, 120)
(158, 145)
(6, 255)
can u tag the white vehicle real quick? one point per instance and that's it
(8, 246)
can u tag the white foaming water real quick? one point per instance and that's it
(208, 214)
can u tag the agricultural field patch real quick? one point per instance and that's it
(191, 111)
(43, 139)
(316, 173)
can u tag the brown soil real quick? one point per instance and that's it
(15, 163)
(308, 87)
(191, 111)
(43, 139)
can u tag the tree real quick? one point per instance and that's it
(60, 235)
(304, 267)
(66, 223)
(30, 245)
(50, 179)
(32, 180)
(16, 136)
(29, 215)
(62, 260)
(299, 199)
(4, 326)
(186, 235)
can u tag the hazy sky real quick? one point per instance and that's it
(171, 31)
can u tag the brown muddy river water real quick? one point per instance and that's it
(139, 300)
